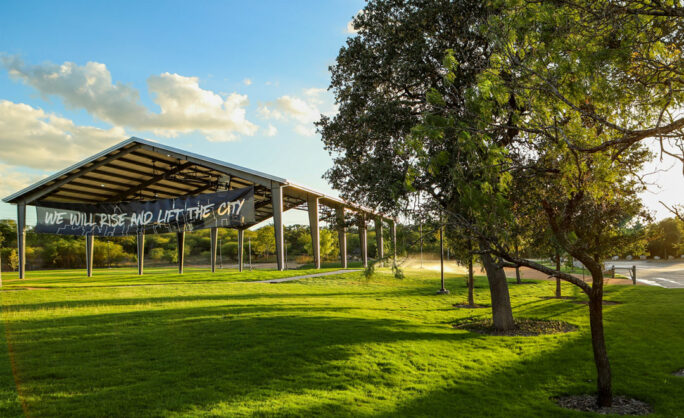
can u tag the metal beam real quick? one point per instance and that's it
(94, 165)
(363, 238)
(181, 250)
(90, 241)
(150, 182)
(277, 200)
(212, 244)
(218, 167)
(21, 239)
(312, 206)
(379, 238)
(140, 240)
(342, 235)
(241, 245)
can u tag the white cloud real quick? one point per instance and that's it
(14, 180)
(271, 130)
(302, 111)
(33, 138)
(350, 25)
(184, 105)
(247, 81)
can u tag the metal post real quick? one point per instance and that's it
(140, 240)
(181, 250)
(443, 290)
(363, 239)
(421, 245)
(342, 236)
(379, 239)
(241, 244)
(394, 240)
(21, 238)
(213, 232)
(89, 254)
(249, 243)
(277, 203)
(312, 205)
(634, 279)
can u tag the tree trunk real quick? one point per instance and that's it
(598, 341)
(502, 313)
(471, 283)
(558, 280)
(517, 268)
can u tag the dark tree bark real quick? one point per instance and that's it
(502, 313)
(471, 283)
(598, 341)
(558, 280)
(517, 267)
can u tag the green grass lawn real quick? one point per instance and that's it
(153, 276)
(336, 345)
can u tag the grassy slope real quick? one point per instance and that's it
(324, 346)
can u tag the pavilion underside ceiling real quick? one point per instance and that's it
(140, 173)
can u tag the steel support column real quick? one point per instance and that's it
(277, 203)
(140, 240)
(213, 232)
(90, 241)
(394, 240)
(312, 204)
(342, 235)
(241, 246)
(21, 239)
(181, 250)
(363, 239)
(379, 239)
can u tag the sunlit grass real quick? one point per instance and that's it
(336, 345)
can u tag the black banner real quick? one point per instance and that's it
(229, 209)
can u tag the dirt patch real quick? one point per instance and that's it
(465, 306)
(605, 302)
(621, 405)
(679, 373)
(560, 298)
(523, 327)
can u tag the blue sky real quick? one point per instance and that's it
(271, 57)
(238, 81)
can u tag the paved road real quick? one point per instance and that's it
(663, 273)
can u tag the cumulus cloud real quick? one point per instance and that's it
(14, 180)
(33, 138)
(271, 130)
(303, 111)
(350, 25)
(184, 105)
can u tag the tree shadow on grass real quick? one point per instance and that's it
(155, 362)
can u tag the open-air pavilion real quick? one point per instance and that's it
(142, 170)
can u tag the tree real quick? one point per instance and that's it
(383, 81)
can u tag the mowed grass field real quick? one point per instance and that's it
(203, 345)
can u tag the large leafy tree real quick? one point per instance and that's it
(385, 154)
(579, 87)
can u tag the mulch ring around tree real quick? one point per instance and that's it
(466, 306)
(679, 373)
(557, 298)
(587, 403)
(524, 327)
